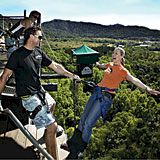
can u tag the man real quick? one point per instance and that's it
(13, 37)
(26, 62)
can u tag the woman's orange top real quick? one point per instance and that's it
(113, 76)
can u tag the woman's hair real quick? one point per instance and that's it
(29, 31)
(122, 51)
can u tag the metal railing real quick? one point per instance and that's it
(9, 113)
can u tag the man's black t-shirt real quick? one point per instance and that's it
(26, 65)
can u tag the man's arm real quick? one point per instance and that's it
(138, 83)
(58, 68)
(4, 77)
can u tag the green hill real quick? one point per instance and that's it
(65, 28)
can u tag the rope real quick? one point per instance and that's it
(47, 41)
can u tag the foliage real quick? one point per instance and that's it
(69, 29)
(132, 129)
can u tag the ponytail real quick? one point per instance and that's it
(123, 61)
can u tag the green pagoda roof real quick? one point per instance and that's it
(83, 50)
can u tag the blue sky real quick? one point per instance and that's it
(127, 12)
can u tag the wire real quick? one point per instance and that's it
(47, 42)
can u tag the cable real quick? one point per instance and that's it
(47, 42)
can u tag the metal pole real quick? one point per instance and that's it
(1, 108)
(74, 100)
(25, 13)
(27, 133)
(3, 23)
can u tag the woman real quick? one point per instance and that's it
(101, 100)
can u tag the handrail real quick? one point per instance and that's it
(26, 132)
(51, 76)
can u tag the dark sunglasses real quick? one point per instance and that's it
(39, 37)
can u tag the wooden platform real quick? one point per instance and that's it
(14, 145)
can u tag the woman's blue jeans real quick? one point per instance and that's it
(91, 114)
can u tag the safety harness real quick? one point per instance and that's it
(98, 94)
(41, 96)
(40, 93)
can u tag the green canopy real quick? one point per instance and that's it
(85, 55)
(83, 50)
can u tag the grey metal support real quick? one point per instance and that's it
(75, 100)
(1, 108)
(26, 133)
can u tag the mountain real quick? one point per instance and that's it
(67, 28)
